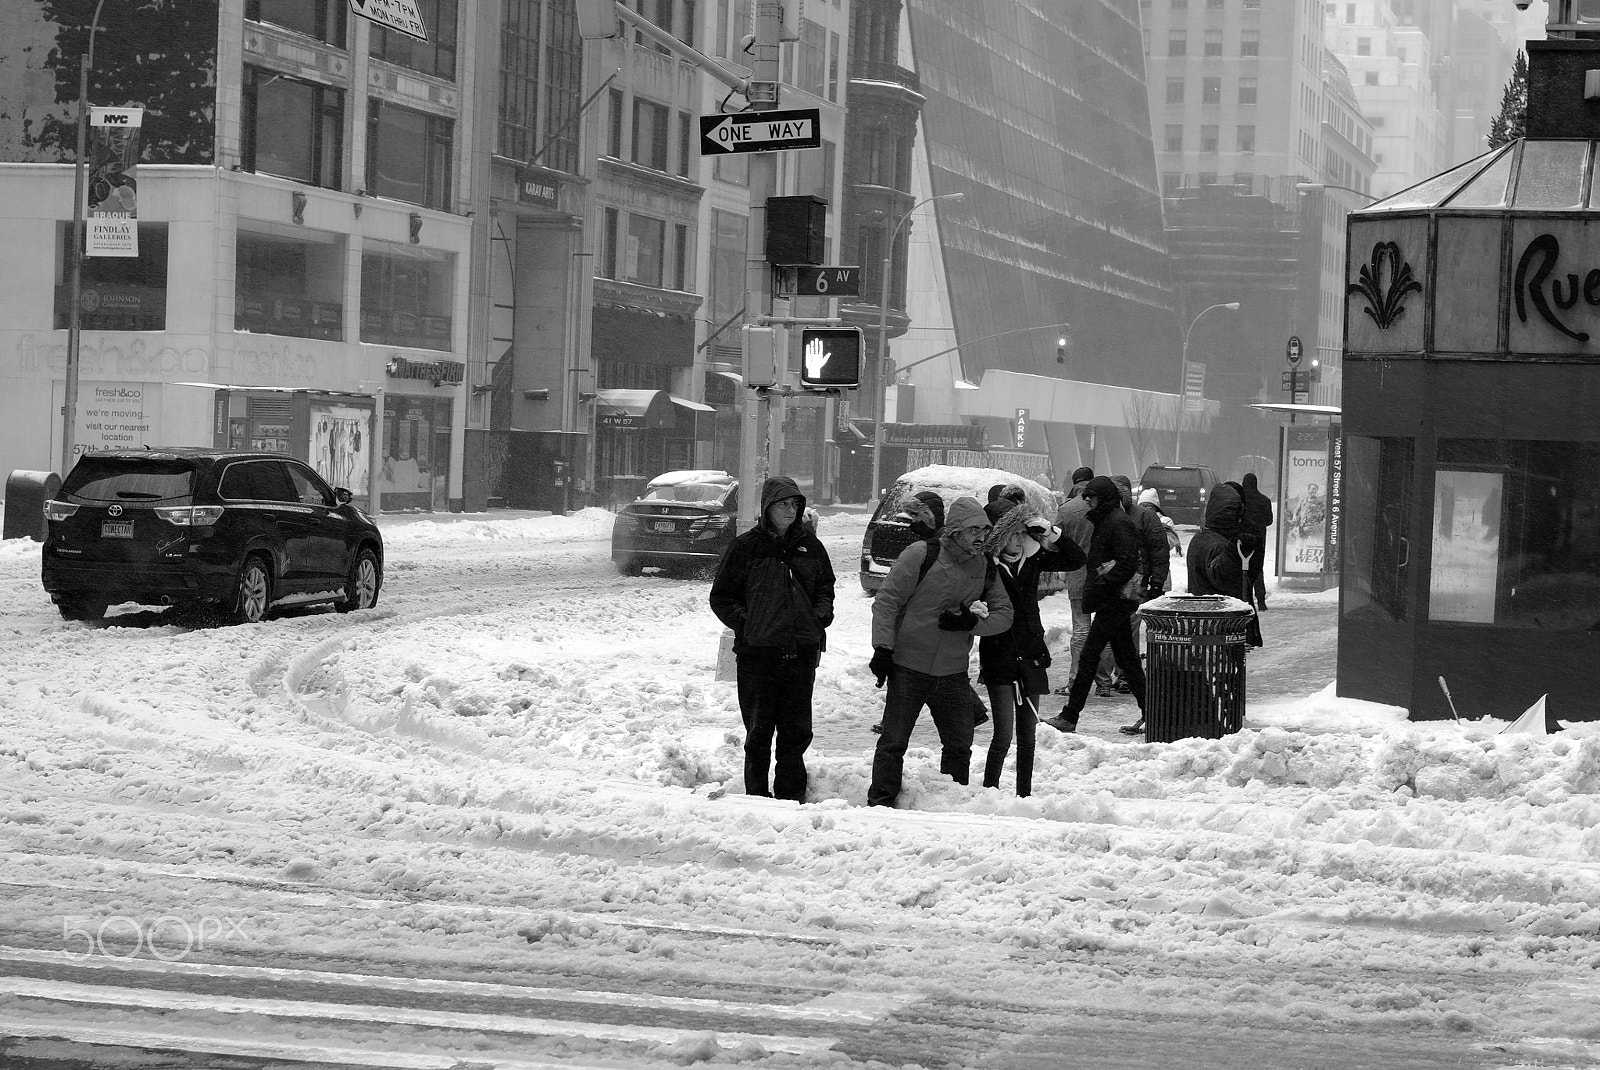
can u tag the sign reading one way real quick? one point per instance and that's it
(399, 15)
(760, 131)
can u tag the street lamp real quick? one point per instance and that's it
(1183, 378)
(1316, 187)
(880, 384)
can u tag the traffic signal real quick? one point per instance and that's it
(1061, 349)
(597, 19)
(830, 357)
(760, 356)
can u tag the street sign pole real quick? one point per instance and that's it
(763, 96)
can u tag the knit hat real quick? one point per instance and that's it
(999, 508)
(1150, 496)
(935, 505)
(1082, 475)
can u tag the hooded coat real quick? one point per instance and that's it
(1213, 558)
(775, 588)
(1073, 520)
(999, 655)
(905, 612)
(1257, 514)
(1155, 555)
(1115, 541)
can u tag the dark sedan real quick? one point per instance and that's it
(683, 523)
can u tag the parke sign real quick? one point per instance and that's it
(1527, 286)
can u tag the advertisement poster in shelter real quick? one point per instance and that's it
(341, 441)
(1303, 511)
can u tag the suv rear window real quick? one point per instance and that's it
(118, 479)
(1175, 477)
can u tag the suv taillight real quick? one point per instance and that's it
(54, 510)
(190, 516)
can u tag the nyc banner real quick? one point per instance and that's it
(113, 228)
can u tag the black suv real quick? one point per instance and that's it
(1184, 490)
(242, 533)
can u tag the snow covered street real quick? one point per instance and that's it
(519, 773)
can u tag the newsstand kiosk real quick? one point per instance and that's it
(1471, 505)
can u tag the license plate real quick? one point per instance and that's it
(110, 529)
(664, 525)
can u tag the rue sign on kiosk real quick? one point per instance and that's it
(760, 131)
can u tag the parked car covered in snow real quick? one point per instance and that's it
(683, 522)
(888, 534)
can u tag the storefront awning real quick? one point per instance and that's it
(642, 409)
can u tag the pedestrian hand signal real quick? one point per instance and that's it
(830, 358)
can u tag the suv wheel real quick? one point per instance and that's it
(361, 589)
(628, 565)
(253, 594)
(81, 608)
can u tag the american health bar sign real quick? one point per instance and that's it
(113, 182)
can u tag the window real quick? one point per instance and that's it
(292, 128)
(1171, 181)
(1247, 91)
(322, 19)
(289, 285)
(835, 51)
(680, 258)
(813, 73)
(407, 295)
(727, 265)
(1213, 46)
(1174, 137)
(1513, 534)
(686, 129)
(1249, 42)
(1350, 14)
(539, 84)
(436, 55)
(1208, 138)
(1247, 138)
(650, 134)
(408, 154)
(733, 169)
(815, 171)
(1211, 91)
(1371, 78)
(614, 145)
(647, 240)
(610, 225)
(308, 489)
(1177, 42)
(260, 481)
(1179, 5)
(120, 293)
(1363, 46)
(1174, 90)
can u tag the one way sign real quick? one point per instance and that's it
(760, 131)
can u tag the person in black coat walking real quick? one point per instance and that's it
(774, 588)
(1216, 562)
(1257, 518)
(1113, 561)
(1012, 664)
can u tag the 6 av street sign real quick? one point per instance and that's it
(760, 131)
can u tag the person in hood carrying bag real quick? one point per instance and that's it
(774, 588)
(924, 618)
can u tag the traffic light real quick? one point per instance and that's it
(830, 357)
(1061, 349)
(597, 19)
(760, 356)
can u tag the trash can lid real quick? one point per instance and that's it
(1188, 604)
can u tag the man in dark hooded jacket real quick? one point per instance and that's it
(1073, 519)
(1113, 561)
(1215, 566)
(774, 588)
(1257, 519)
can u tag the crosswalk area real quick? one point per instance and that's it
(62, 1009)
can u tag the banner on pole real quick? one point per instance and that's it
(113, 186)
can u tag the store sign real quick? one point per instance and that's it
(438, 371)
(626, 421)
(112, 416)
(538, 189)
(935, 436)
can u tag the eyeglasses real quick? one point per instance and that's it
(977, 532)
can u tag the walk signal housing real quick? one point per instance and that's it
(760, 356)
(597, 19)
(830, 358)
(797, 230)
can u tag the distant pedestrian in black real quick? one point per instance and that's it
(1216, 560)
(1113, 561)
(774, 588)
(1256, 520)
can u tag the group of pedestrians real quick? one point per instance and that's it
(972, 575)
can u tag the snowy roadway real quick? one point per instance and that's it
(497, 822)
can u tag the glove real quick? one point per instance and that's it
(1039, 528)
(962, 620)
(882, 663)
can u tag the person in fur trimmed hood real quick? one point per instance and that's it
(1013, 664)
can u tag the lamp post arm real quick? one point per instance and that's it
(976, 341)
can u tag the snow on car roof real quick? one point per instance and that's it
(951, 482)
(691, 475)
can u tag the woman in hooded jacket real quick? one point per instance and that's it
(1012, 664)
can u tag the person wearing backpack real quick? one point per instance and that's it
(1013, 664)
(938, 595)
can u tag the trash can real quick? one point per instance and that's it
(1194, 666)
(26, 493)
